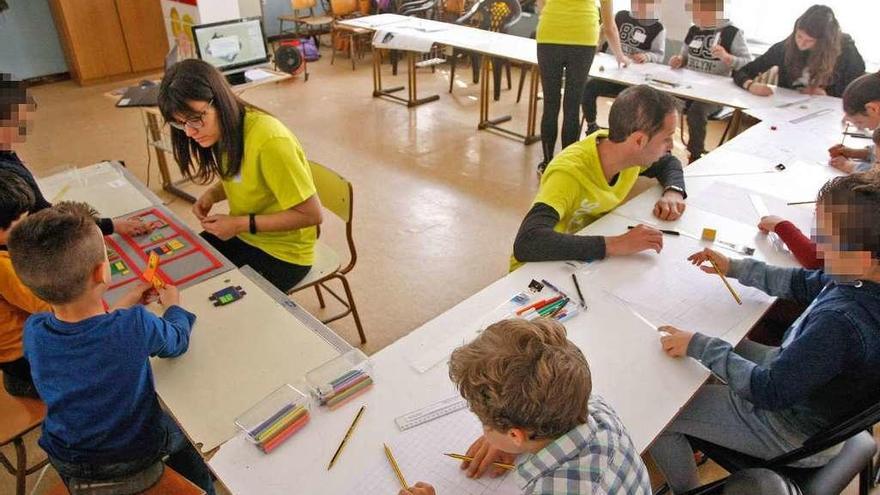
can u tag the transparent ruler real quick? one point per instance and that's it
(430, 413)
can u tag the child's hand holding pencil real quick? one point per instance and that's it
(711, 257)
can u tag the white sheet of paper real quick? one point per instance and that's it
(414, 41)
(677, 293)
(419, 454)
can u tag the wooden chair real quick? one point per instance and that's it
(312, 25)
(336, 195)
(170, 483)
(340, 34)
(19, 416)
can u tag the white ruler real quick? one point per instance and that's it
(430, 413)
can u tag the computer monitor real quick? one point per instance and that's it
(232, 46)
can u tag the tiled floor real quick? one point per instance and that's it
(437, 203)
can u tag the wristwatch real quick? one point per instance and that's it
(252, 223)
(676, 189)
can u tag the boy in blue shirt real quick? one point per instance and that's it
(91, 367)
(828, 366)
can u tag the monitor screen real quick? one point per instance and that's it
(232, 44)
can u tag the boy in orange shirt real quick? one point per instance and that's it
(17, 302)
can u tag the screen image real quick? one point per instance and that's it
(233, 44)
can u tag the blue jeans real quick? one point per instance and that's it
(716, 414)
(182, 457)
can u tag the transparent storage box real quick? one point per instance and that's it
(341, 379)
(274, 419)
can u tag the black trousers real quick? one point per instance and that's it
(279, 273)
(593, 90)
(572, 61)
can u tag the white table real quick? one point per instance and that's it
(628, 367)
(487, 43)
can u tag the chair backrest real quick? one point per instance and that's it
(20, 415)
(303, 4)
(493, 15)
(342, 8)
(834, 435)
(337, 196)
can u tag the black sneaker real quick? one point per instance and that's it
(542, 165)
(591, 128)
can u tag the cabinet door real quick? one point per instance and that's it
(144, 31)
(92, 38)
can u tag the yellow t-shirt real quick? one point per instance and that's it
(17, 302)
(569, 22)
(275, 176)
(574, 185)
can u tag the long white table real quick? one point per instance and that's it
(628, 367)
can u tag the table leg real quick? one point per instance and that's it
(735, 124)
(493, 124)
(412, 99)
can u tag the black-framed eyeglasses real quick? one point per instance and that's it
(196, 122)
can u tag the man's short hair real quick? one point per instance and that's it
(524, 374)
(16, 198)
(639, 108)
(860, 92)
(853, 202)
(55, 250)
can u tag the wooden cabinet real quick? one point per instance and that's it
(103, 39)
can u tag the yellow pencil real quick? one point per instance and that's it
(346, 437)
(501, 465)
(396, 468)
(726, 283)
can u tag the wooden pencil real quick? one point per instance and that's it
(346, 437)
(395, 467)
(461, 457)
(726, 283)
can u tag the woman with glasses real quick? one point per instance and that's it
(262, 170)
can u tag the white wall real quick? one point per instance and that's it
(250, 8)
(29, 44)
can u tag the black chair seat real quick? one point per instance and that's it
(832, 478)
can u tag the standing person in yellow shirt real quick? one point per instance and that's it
(263, 171)
(568, 32)
(17, 302)
(590, 178)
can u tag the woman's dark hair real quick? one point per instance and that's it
(196, 80)
(818, 22)
(860, 92)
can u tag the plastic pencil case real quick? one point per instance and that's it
(274, 419)
(341, 379)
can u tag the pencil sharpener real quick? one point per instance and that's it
(709, 234)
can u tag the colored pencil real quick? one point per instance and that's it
(726, 283)
(501, 465)
(394, 466)
(346, 437)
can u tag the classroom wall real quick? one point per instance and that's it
(29, 43)
(250, 8)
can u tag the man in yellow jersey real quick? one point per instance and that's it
(591, 177)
